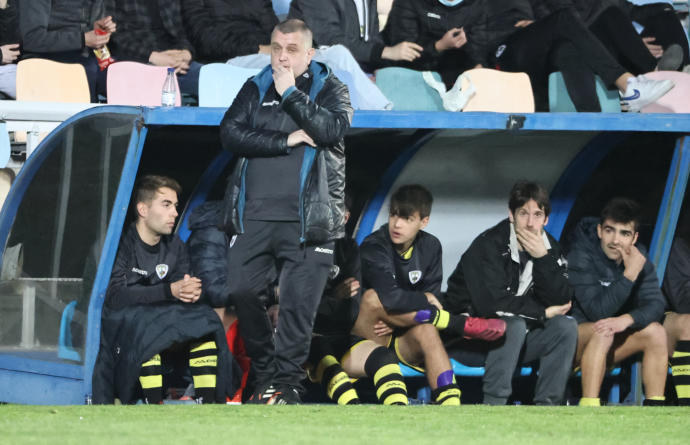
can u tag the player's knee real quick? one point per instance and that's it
(683, 326)
(654, 336)
(601, 340)
(370, 301)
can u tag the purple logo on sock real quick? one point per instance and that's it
(444, 378)
(422, 316)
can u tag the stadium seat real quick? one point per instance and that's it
(43, 80)
(499, 91)
(407, 90)
(65, 349)
(675, 101)
(559, 99)
(133, 83)
(219, 83)
(383, 8)
(5, 146)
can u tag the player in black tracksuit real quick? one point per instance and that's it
(149, 308)
(284, 203)
(402, 274)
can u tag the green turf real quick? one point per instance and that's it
(316, 424)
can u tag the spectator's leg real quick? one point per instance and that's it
(579, 78)
(363, 91)
(302, 280)
(661, 22)
(249, 262)
(8, 80)
(554, 347)
(501, 360)
(677, 328)
(615, 30)
(189, 82)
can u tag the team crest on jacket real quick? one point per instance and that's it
(333, 272)
(415, 276)
(161, 270)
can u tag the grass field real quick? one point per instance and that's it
(329, 424)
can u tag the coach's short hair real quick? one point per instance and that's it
(623, 211)
(523, 191)
(409, 199)
(147, 186)
(295, 25)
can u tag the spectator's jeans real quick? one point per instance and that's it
(8, 80)
(560, 41)
(189, 83)
(364, 94)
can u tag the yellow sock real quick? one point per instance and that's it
(590, 401)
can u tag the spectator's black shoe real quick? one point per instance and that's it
(672, 58)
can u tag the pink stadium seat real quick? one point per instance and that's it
(675, 101)
(133, 83)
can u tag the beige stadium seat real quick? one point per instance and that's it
(383, 7)
(499, 91)
(43, 80)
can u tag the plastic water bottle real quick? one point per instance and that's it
(169, 93)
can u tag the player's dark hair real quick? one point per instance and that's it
(622, 211)
(147, 186)
(409, 199)
(523, 191)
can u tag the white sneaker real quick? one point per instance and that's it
(642, 92)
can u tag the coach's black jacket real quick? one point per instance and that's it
(601, 290)
(677, 277)
(485, 281)
(141, 318)
(401, 284)
(325, 115)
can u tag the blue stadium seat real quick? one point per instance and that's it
(219, 83)
(559, 99)
(407, 90)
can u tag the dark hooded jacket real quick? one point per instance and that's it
(208, 252)
(486, 280)
(324, 114)
(601, 290)
(677, 277)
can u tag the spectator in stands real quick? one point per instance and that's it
(9, 47)
(516, 270)
(402, 273)
(222, 29)
(505, 35)
(354, 25)
(151, 31)
(676, 287)
(618, 303)
(291, 116)
(150, 307)
(66, 32)
(662, 27)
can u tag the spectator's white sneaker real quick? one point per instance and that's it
(642, 91)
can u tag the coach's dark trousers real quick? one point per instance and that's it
(267, 246)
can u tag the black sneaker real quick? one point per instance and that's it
(263, 396)
(286, 395)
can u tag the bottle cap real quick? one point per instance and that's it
(171, 70)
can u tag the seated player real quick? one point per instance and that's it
(618, 303)
(516, 270)
(676, 287)
(402, 276)
(336, 356)
(150, 307)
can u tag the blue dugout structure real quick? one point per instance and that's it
(61, 223)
